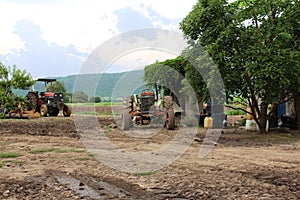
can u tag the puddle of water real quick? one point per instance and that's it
(86, 191)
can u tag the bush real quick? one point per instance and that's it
(235, 112)
(95, 99)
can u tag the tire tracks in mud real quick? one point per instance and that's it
(63, 185)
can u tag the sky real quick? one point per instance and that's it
(55, 37)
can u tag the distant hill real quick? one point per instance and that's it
(105, 85)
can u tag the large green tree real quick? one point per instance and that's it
(166, 76)
(255, 45)
(12, 78)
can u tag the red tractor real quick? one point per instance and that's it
(47, 103)
(142, 110)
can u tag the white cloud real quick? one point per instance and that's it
(83, 23)
(65, 26)
(139, 58)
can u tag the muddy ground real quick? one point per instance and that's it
(45, 158)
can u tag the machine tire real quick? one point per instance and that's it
(128, 103)
(32, 102)
(125, 120)
(44, 110)
(67, 111)
(170, 119)
(53, 112)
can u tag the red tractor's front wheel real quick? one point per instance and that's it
(44, 110)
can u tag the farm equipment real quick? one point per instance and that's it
(22, 113)
(47, 103)
(141, 110)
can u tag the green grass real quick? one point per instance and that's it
(82, 158)
(86, 113)
(2, 164)
(146, 173)
(55, 150)
(5, 143)
(97, 104)
(9, 155)
(105, 113)
(107, 130)
(235, 112)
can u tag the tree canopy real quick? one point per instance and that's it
(255, 45)
(12, 78)
(59, 86)
(79, 97)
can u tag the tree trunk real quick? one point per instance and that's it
(263, 118)
(297, 109)
(200, 105)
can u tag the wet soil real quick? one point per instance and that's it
(45, 158)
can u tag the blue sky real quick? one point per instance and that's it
(54, 37)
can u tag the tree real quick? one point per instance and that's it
(255, 45)
(80, 97)
(59, 86)
(167, 76)
(95, 99)
(186, 78)
(12, 78)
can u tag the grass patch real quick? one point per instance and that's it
(146, 173)
(97, 104)
(107, 130)
(16, 161)
(55, 150)
(2, 164)
(106, 113)
(82, 158)
(235, 112)
(86, 113)
(5, 143)
(9, 155)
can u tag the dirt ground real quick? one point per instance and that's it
(45, 158)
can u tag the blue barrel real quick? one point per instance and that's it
(281, 110)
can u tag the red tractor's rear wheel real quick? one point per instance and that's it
(32, 103)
